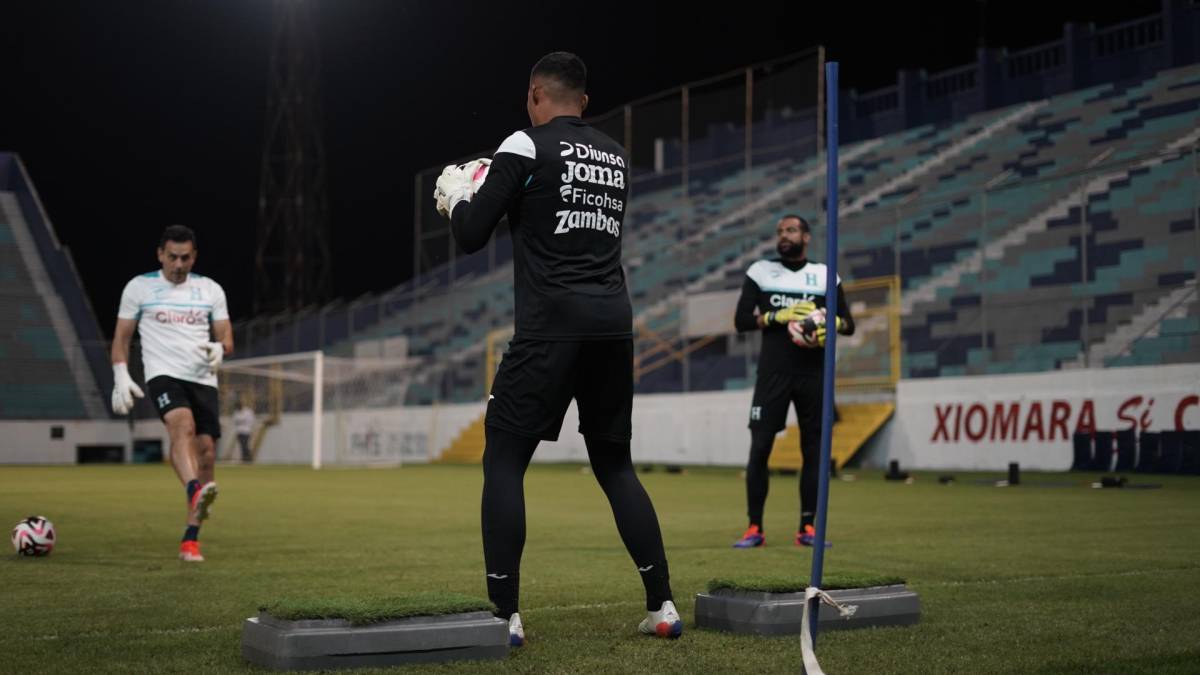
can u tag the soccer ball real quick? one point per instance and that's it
(34, 536)
(804, 333)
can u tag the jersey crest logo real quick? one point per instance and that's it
(196, 294)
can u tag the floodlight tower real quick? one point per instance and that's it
(292, 258)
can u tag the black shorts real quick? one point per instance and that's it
(774, 391)
(168, 393)
(538, 378)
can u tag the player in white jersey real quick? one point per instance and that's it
(774, 294)
(184, 325)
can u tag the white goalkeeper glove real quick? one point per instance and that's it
(453, 186)
(477, 171)
(214, 354)
(124, 390)
(460, 184)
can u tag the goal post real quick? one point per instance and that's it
(312, 408)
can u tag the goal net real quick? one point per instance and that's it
(310, 408)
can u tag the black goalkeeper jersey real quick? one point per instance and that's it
(772, 285)
(564, 187)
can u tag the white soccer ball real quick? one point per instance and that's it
(804, 333)
(34, 536)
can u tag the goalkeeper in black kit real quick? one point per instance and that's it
(785, 299)
(563, 186)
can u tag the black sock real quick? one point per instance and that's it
(505, 457)
(192, 486)
(810, 471)
(657, 580)
(761, 443)
(504, 590)
(192, 533)
(634, 514)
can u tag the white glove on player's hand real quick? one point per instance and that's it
(124, 390)
(476, 171)
(453, 186)
(214, 354)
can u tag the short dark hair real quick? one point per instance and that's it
(564, 67)
(803, 223)
(177, 233)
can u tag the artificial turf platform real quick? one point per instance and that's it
(797, 583)
(352, 631)
(1011, 580)
(362, 610)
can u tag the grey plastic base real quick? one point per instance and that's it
(781, 613)
(334, 643)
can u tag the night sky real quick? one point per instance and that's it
(133, 115)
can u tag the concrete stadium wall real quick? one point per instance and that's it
(366, 436)
(703, 428)
(965, 423)
(983, 423)
(32, 442)
(700, 428)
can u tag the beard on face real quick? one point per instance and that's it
(787, 249)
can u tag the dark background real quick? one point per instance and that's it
(133, 115)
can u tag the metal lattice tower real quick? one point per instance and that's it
(292, 258)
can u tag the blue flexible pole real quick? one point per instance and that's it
(831, 215)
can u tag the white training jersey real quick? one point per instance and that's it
(174, 322)
(243, 421)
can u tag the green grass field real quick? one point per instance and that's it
(1020, 580)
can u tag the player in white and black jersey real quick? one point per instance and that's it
(564, 187)
(775, 293)
(184, 325)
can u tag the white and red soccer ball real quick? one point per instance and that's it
(34, 536)
(804, 333)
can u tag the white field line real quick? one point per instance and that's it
(94, 634)
(1061, 577)
(606, 605)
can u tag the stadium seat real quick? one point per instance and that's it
(919, 188)
(38, 379)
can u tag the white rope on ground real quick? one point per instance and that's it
(811, 667)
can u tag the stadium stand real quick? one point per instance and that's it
(1038, 207)
(50, 348)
